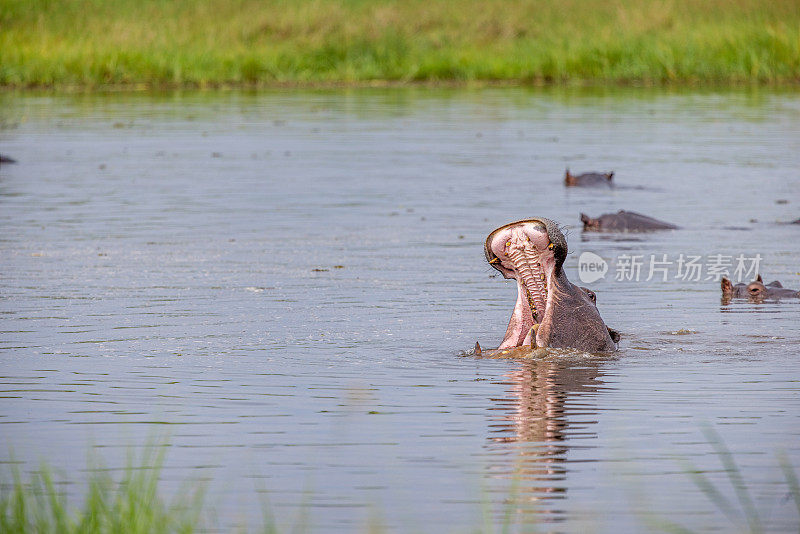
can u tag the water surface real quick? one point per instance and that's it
(285, 283)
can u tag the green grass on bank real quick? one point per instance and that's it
(189, 43)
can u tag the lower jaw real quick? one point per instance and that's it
(537, 315)
(524, 323)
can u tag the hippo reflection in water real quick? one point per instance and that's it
(756, 291)
(588, 179)
(550, 310)
(624, 221)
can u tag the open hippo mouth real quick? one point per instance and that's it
(550, 311)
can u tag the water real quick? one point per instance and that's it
(285, 285)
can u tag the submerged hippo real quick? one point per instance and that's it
(624, 221)
(6, 159)
(588, 179)
(756, 290)
(550, 310)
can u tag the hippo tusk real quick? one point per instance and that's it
(530, 338)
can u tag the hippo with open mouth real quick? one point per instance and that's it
(756, 290)
(588, 179)
(550, 310)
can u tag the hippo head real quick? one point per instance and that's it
(755, 290)
(569, 178)
(550, 311)
(592, 178)
(589, 223)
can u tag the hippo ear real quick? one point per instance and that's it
(610, 175)
(568, 178)
(758, 279)
(726, 285)
(615, 335)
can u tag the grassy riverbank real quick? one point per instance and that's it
(188, 43)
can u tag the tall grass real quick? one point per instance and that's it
(743, 514)
(134, 505)
(131, 505)
(90, 43)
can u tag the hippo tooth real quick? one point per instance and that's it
(531, 303)
(526, 262)
(530, 337)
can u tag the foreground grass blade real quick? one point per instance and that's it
(713, 494)
(791, 480)
(735, 476)
(131, 506)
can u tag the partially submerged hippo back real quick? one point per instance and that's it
(588, 179)
(550, 310)
(624, 221)
(756, 291)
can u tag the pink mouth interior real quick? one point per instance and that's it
(522, 252)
